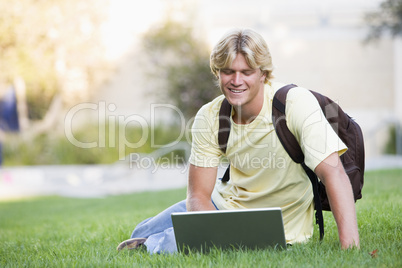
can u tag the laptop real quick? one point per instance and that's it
(229, 229)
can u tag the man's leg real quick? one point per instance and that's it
(156, 233)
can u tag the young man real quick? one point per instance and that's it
(262, 174)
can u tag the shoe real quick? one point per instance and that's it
(132, 243)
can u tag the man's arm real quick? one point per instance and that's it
(340, 196)
(201, 182)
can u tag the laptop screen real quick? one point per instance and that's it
(244, 228)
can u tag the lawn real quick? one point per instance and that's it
(68, 232)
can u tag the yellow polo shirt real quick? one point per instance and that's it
(262, 174)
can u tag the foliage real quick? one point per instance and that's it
(51, 149)
(390, 146)
(66, 232)
(387, 19)
(49, 45)
(181, 62)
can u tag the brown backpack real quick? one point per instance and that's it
(346, 128)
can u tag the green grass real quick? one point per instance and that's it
(67, 232)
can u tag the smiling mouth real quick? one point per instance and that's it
(236, 91)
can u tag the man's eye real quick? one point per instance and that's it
(227, 71)
(247, 73)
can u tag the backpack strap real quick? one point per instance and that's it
(224, 132)
(289, 142)
(319, 218)
(292, 147)
(224, 124)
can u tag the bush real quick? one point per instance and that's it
(51, 149)
(390, 147)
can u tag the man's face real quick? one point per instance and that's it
(242, 86)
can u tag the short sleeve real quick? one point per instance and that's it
(307, 122)
(205, 151)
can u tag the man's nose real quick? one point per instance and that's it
(237, 79)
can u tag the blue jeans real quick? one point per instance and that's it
(159, 230)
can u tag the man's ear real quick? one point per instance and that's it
(263, 76)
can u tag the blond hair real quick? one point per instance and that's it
(247, 42)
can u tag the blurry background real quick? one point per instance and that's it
(89, 82)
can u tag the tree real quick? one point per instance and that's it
(387, 20)
(50, 52)
(181, 61)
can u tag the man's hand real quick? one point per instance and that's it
(201, 182)
(340, 196)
